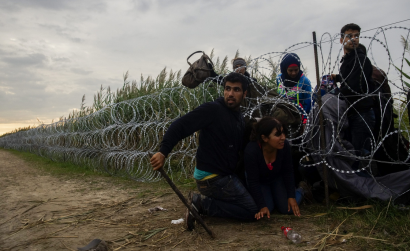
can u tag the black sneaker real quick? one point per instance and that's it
(194, 200)
(189, 218)
(197, 202)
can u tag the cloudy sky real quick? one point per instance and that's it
(53, 52)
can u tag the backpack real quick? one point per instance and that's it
(197, 71)
(286, 113)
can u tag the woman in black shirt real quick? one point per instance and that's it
(269, 171)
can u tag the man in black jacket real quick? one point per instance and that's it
(356, 88)
(221, 128)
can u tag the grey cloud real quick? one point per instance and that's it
(189, 19)
(62, 60)
(141, 5)
(35, 59)
(62, 31)
(97, 6)
(32, 100)
(80, 71)
(17, 5)
(76, 39)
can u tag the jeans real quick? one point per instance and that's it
(361, 126)
(226, 196)
(276, 196)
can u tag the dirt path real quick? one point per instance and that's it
(43, 212)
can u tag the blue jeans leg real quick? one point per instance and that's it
(227, 197)
(268, 196)
(276, 196)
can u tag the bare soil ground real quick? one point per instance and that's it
(39, 211)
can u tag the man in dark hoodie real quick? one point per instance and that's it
(355, 76)
(221, 127)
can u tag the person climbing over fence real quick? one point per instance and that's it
(294, 85)
(221, 127)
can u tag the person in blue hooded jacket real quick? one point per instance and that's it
(293, 84)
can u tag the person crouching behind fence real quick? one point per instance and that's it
(221, 127)
(269, 171)
(293, 84)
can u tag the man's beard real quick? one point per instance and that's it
(236, 104)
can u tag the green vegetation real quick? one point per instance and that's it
(406, 47)
(171, 79)
(382, 221)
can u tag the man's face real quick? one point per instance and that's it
(240, 69)
(350, 40)
(233, 95)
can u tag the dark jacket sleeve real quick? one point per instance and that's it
(252, 176)
(287, 172)
(191, 122)
(359, 79)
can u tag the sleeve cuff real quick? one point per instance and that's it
(164, 151)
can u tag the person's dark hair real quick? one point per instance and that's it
(264, 127)
(350, 26)
(234, 77)
(362, 48)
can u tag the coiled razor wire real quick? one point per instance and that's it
(120, 138)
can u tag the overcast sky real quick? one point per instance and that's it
(53, 52)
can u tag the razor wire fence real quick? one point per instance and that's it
(120, 138)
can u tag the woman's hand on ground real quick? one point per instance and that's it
(262, 212)
(157, 161)
(292, 204)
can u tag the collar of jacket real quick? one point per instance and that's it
(221, 100)
(351, 55)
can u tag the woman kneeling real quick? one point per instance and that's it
(269, 170)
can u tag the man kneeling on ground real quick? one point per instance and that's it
(221, 128)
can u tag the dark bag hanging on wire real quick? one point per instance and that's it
(198, 71)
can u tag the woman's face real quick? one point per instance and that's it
(274, 140)
(293, 71)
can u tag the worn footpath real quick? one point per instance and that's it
(39, 211)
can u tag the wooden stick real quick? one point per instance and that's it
(182, 198)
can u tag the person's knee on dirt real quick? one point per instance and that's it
(293, 84)
(269, 170)
(355, 76)
(221, 127)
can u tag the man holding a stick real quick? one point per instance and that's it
(221, 127)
